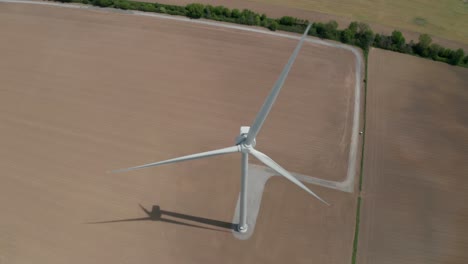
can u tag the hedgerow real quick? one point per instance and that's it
(357, 34)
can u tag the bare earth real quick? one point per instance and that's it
(83, 92)
(415, 186)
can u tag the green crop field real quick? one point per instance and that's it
(443, 18)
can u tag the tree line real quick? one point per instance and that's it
(357, 34)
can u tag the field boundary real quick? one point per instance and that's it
(361, 171)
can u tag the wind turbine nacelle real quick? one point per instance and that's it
(244, 130)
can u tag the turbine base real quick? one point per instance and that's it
(242, 229)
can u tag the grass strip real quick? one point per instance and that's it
(358, 209)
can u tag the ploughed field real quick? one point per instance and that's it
(83, 92)
(415, 184)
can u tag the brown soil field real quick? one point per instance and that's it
(415, 188)
(83, 92)
(276, 11)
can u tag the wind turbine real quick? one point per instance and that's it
(245, 144)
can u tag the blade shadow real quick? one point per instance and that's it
(156, 214)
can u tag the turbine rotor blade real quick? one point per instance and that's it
(283, 172)
(184, 158)
(270, 100)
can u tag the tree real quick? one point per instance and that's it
(433, 51)
(377, 40)
(162, 9)
(273, 25)
(397, 40)
(313, 31)
(122, 4)
(208, 12)
(347, 36)
(287, 21)
(353, 27)
(227, 12)
(465, 60)
(102, 3)
(319, 28)
(407, 48)
(425, 40)
(328, 30)
(456, 57)
(235, 13)
(195, 10)
(146, 7)
(422, 48)
(218, 10)
(382, 41)
(447, 53)
(363, 27)
(257, 20)
(246, 17)
(364, 36)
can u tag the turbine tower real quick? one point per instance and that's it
(245, 144)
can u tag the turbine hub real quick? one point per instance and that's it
(244, 131)
(246, 148)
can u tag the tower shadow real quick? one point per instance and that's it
(156, 214)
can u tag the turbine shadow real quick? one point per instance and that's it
(156, 214)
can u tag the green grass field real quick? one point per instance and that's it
(443, 18)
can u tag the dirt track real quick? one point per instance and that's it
(83, 92)
(415, 186)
